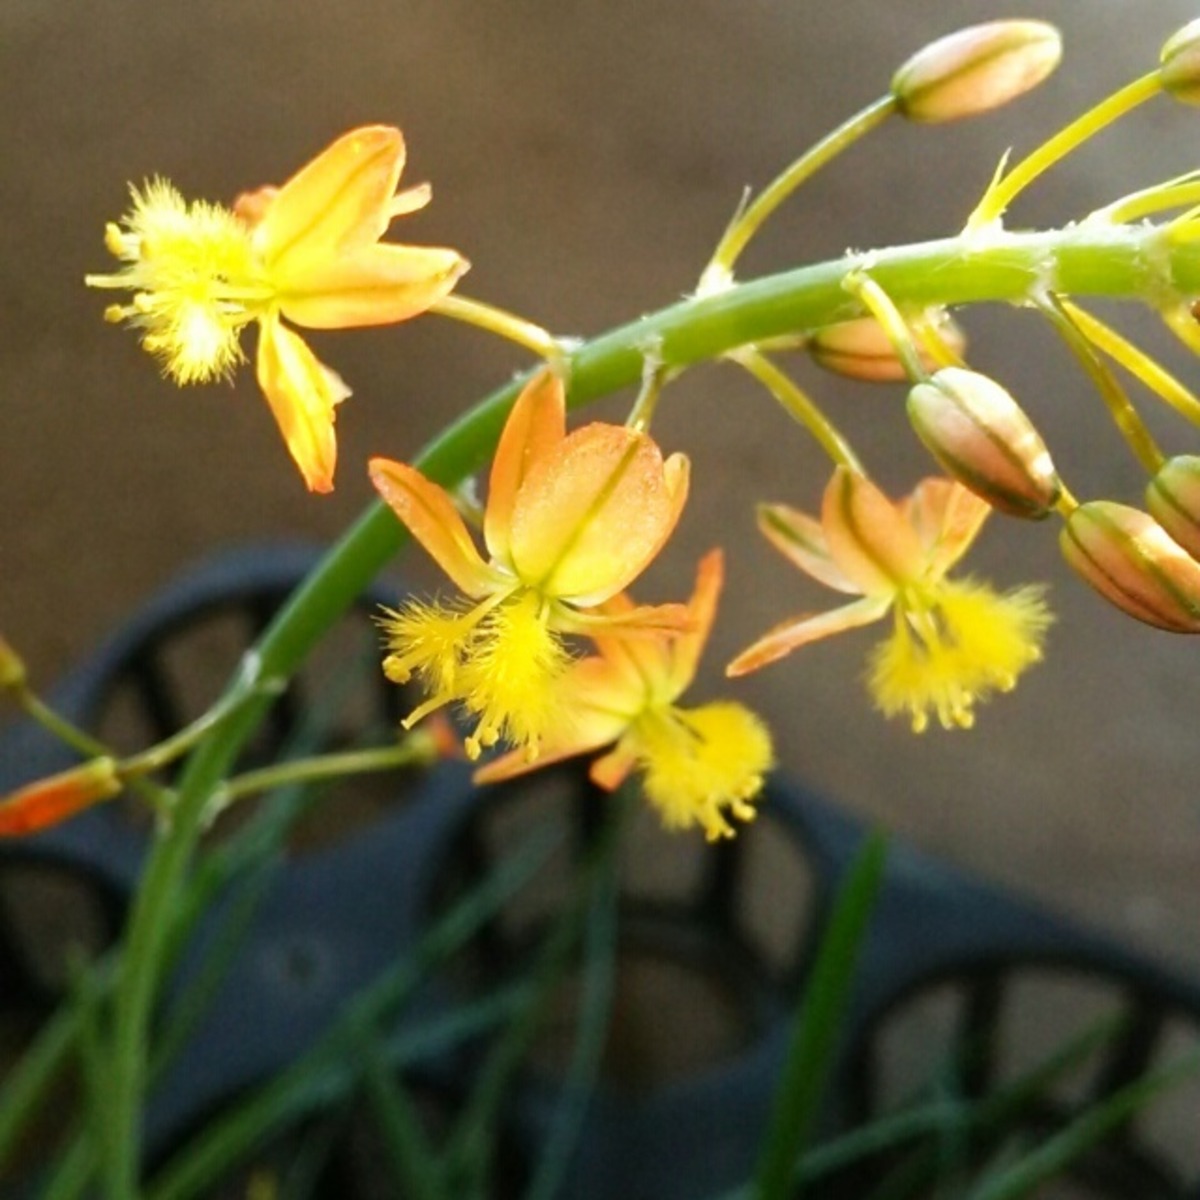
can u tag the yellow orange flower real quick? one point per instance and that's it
(953, 641)
(571, 520)
(700, 766)
(308, 252)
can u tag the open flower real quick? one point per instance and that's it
(953, 641)
(308, 252)
(699, 766)
(571, 520)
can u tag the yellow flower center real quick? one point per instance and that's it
(954, 645)
(195, 279)
(702, 766)
(500, 661)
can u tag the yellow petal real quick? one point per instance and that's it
(592, 514)
(791, 635)
(339, 198)
(430, 516)
(867, 535)
(303, 394)
(369, 285)
(536, 424)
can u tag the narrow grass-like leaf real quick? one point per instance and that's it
(1056, 1153)
(413, 1162)
(595, 1008)
(322, 1076)
(816, 1033)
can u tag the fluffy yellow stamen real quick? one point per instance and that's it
(192, 271)
(508, 679)
(954, 648)
(702, 766)
(499, 660)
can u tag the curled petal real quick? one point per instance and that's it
(592, 514)
(791, 635)
(303, 394)
(430, 516)
(536, 424)
(867, 535)
(801, 540)
(368, 285)
(340, 198)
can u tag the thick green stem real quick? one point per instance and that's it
(993, 266)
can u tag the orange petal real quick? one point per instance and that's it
(947, 518)
(339, 198)
(642, 621)
(791, 635)
(368, 285)
(430, 516)
(610, 771)
(591, 514)
(536, 424)
(868, 537)
(303, 394)
(685, 650)
(801, 540)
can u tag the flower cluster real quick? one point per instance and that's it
(572, 519)
(541, 651)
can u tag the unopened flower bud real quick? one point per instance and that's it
(1179, 64)
(860, 349)
(976, 69)
(982, 438)
(1173, 498)
(1135, 564)
(12, 669)
(57, 797)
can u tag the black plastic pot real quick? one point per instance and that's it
(711, 958)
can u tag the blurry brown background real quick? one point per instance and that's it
(585, 154)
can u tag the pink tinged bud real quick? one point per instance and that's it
(982, 438)
(860, 349)
(49, 801)
(1173, 498)
(1179, 64)
(12, 669)
(976, 69)
(1135, 564)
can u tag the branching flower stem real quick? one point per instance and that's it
(1135, 263)
(747, 222)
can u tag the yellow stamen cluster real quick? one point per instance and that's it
(499, 661)
(954, 647)
(192, 270)
(702, 766)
